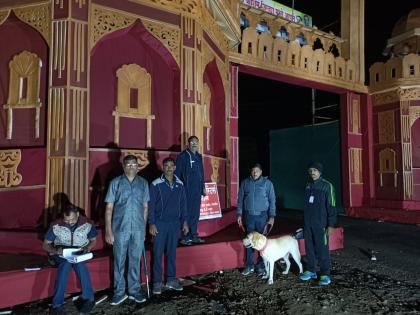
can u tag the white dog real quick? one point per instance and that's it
(272, 250)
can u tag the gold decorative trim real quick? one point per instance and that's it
(9, 162)
(355, 114)
(142, 157)
(414, 114)
(57, 115)
(39, 17)
(81, 3)
(187, 6)
(3, 16)
(24, 82)
(168, 36)
(385, 98)
(106, 21)
(409, 94)
(387, 165)
(356, 165)
(386, 127)
(214, 31)
(215, 165)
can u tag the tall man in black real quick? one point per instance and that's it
(320, 216)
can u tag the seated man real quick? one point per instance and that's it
(70, 231)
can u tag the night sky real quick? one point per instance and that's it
(260, 99)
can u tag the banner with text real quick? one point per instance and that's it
(276, 8)
(210, 204)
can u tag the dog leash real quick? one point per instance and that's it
(267, 229)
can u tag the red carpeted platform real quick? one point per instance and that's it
(406, 216)
(222, 250)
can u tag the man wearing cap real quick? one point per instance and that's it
(257, 206)
(320, 215)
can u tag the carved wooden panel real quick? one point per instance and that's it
(134, 98)
(215, 165)
(24, 85)
(355, 125)
(356, 165)
(3, 16)
(387, 165)
(105, 21)
(133, 77)
(37, 16)
(60, 46)
(9, 162)
(386, 127)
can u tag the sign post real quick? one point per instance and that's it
(210, 204)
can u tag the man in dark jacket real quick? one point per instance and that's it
(319, 217)
(167, 211)
(190, 170)
(257, 204)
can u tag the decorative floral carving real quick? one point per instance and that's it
(385, 98)
(414, 114)
(106, 21)
(9, 162)
(39, 17)
(409, 94)
(3, 16)
(215, 165)
(170, 37)
(190, 6)
(386, 126)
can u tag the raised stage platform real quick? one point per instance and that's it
(222, 250)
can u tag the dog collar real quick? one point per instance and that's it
(264, 247)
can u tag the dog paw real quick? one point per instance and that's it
(285, 272)
(265, 277)
(270, 282)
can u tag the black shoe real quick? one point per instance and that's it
(197, 240)
(59, 310)
(87, 306)
(185, 242)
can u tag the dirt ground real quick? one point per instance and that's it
(360, 285)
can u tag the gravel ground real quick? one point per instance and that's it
(389, 285)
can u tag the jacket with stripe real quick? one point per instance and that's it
(319, 206)
(168, 203)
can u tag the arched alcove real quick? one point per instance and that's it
(140, 48)
(217, 140)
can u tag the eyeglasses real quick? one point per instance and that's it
(194, 142)
(134, 165)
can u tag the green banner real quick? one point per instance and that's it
(276, 8)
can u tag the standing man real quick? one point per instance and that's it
(189, 169)
(125, 225)
(320, 215)
(71, 230)
(257, 206)
(167, 211)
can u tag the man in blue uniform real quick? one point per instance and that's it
(125, 227)
(70, 231)
(189, 169)
(257, 204)
(167, 211)
(319, 217)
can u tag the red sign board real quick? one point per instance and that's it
(210, 204)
